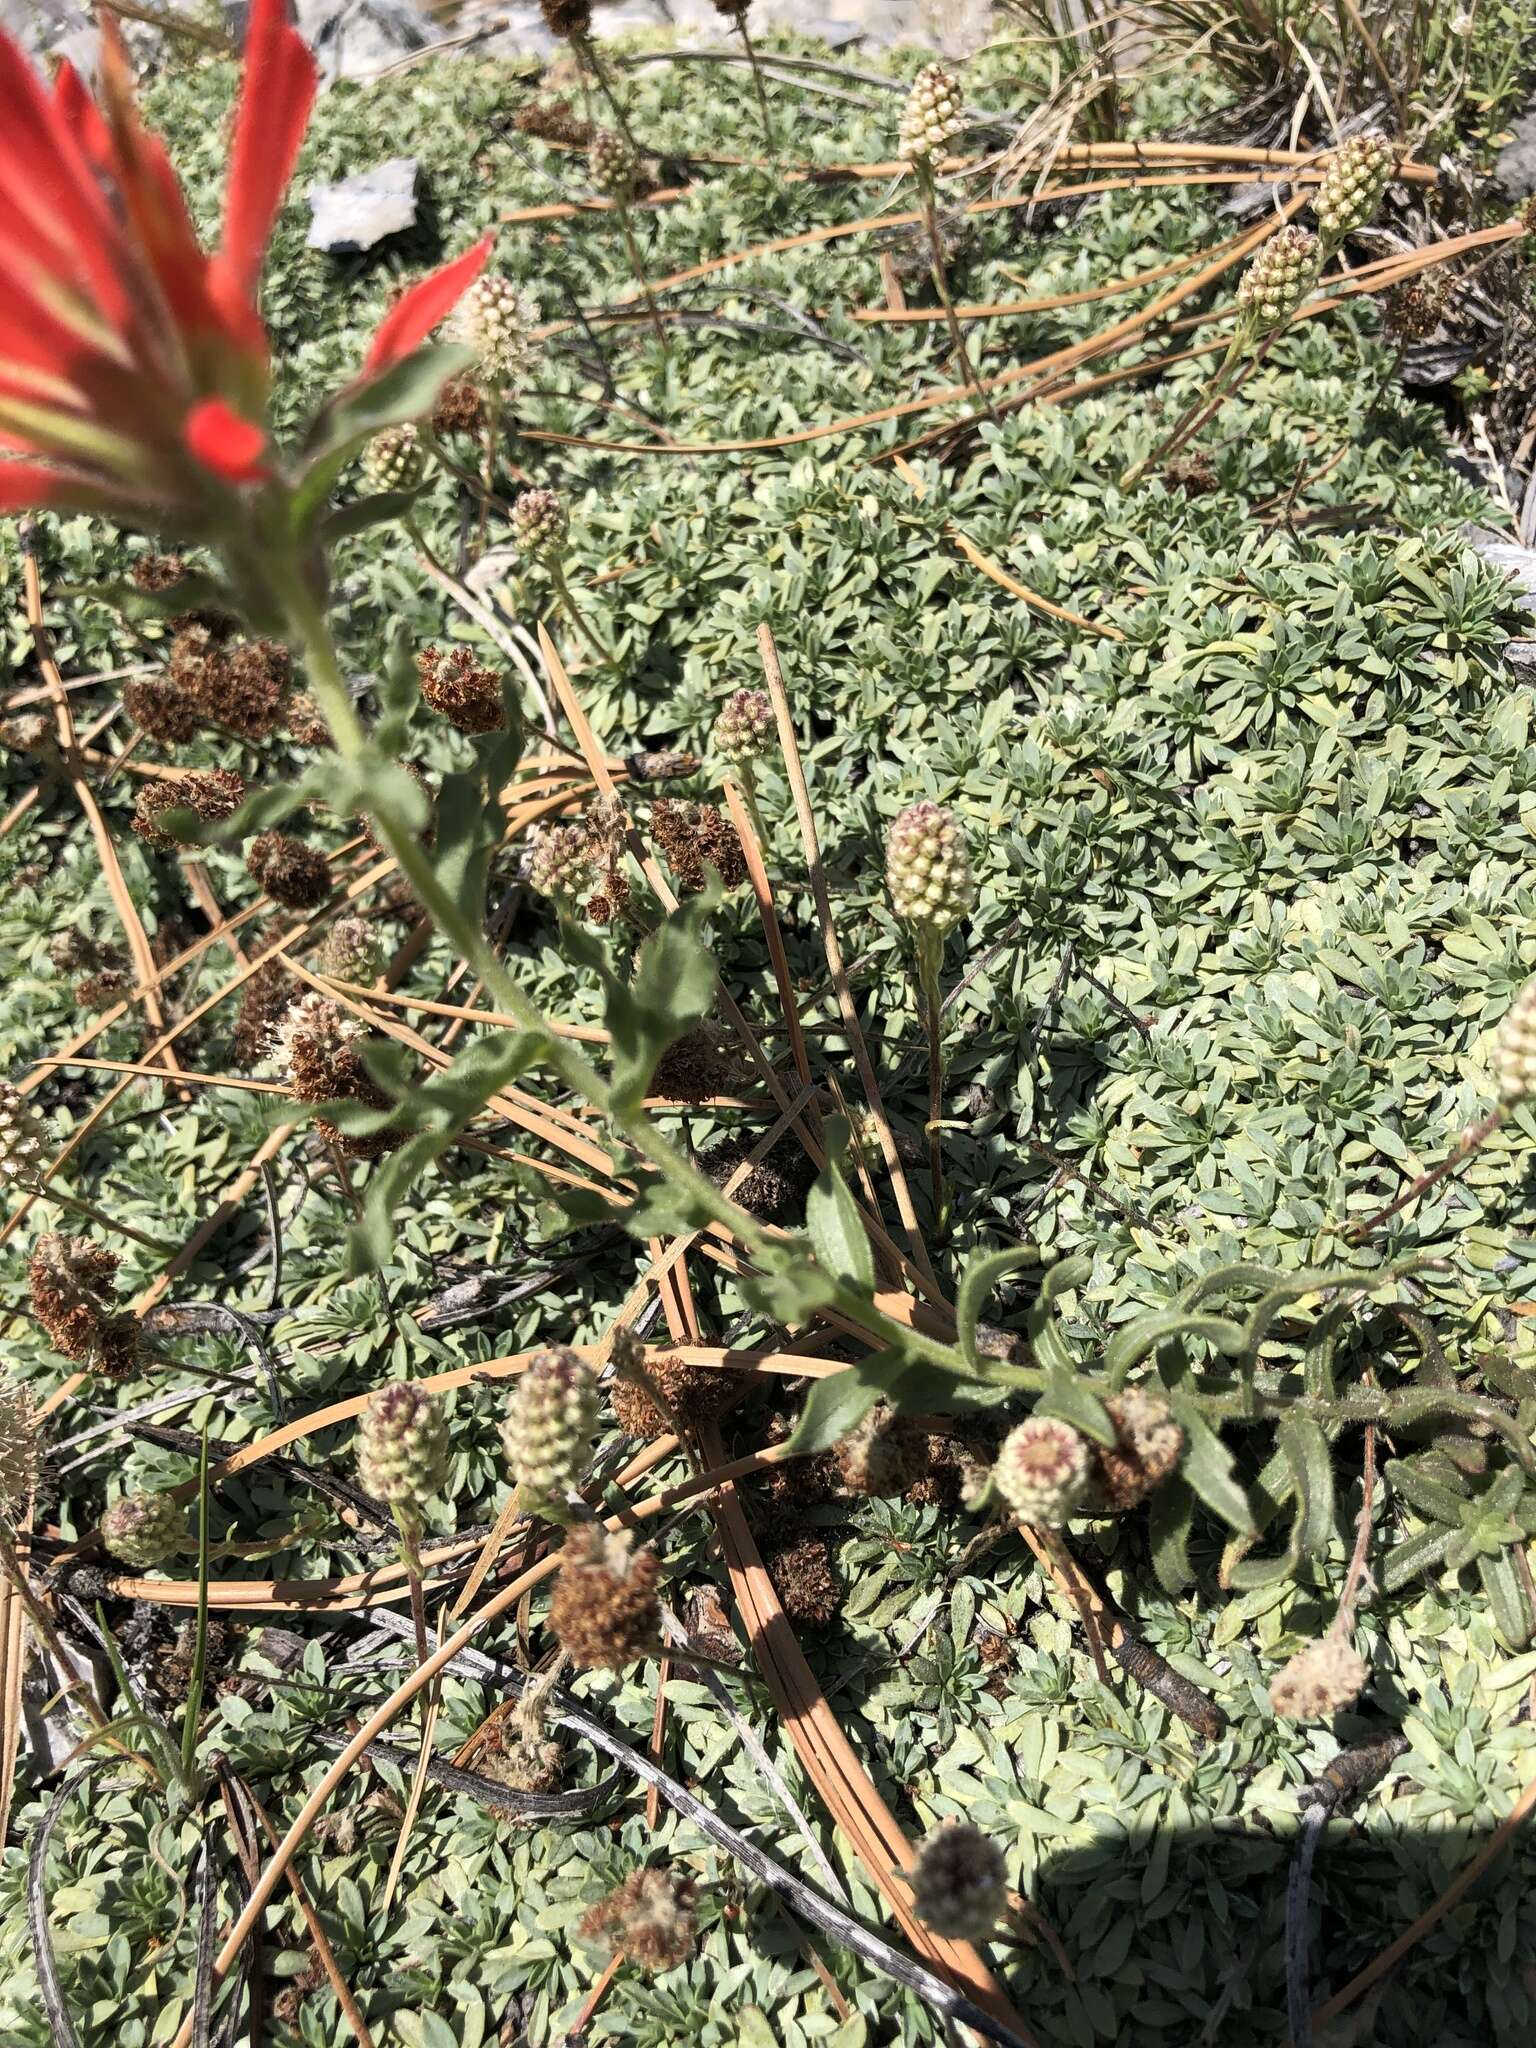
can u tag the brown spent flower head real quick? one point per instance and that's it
(1282, 273)
(648, 1920)
(352, 952)
(316, 1044)
(959, 1882)
(25, 1141)
(553, 120)
(497, 321)
(695, 838)
(161, 708)
(932, 117)
(928, 869)
(71, 1287)
(303, 721)
(808, 1587)
(526, 1763)
(460, 408)
(461, 689)
(33, 732)
(569, 19)
(154, 573)
(612, 163)
(746, 729)
(563, 862)
(293, 874)
(19, 1454)
(604, 1609)
(1352, 187)
(395, 459)
(693, 1393)
(1147, 1449)
(1042, 1471)
(1322, 1678)
(547, 1430)
(252, 684)
(1512, 1054)
(213, 794)
(883, 1454)
(693, 1068)
(265, 999)
(101, 991)
(1193, 473)
(143, 1529)
(733, 11)
(539, 524)
(774, 1188)
(402, 1445)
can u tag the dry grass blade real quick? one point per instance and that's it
(1000, 576)
(835, 1769)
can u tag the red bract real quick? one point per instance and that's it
(134, 370)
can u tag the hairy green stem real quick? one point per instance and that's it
(562, 1055)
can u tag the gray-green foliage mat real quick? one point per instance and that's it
(1284, 822)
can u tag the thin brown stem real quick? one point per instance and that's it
(1471, 1140)
(757, 80)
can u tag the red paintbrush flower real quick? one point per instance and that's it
(134, 374)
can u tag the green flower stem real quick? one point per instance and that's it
(589, 60)
(930, 953)
(747, 782)
(929, 198)
(585, 631)
(48, 1193)
(562, 1055)
(1223, 386)
(632, 250)
(408, 1522)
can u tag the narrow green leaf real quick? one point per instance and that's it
(977, 1284)
(834, 1225)
(673, 988)
(1070, 1399)
(1169, 1518)
(1207, 1465)
(833, 1407)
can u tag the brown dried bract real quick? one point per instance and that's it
(265, 1000)
(648, 1919)
(160, 707)
(553, 120)
(71, 1282)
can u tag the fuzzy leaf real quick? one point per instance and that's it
(1207, 1466)
(976, 1286)
(833, 1223)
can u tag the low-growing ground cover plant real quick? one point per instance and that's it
(765, 1074)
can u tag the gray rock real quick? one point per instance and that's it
(1514, 560)
(359, 38)
(1515, 164)
(359, 212)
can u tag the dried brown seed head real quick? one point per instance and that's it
(604, 1609)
